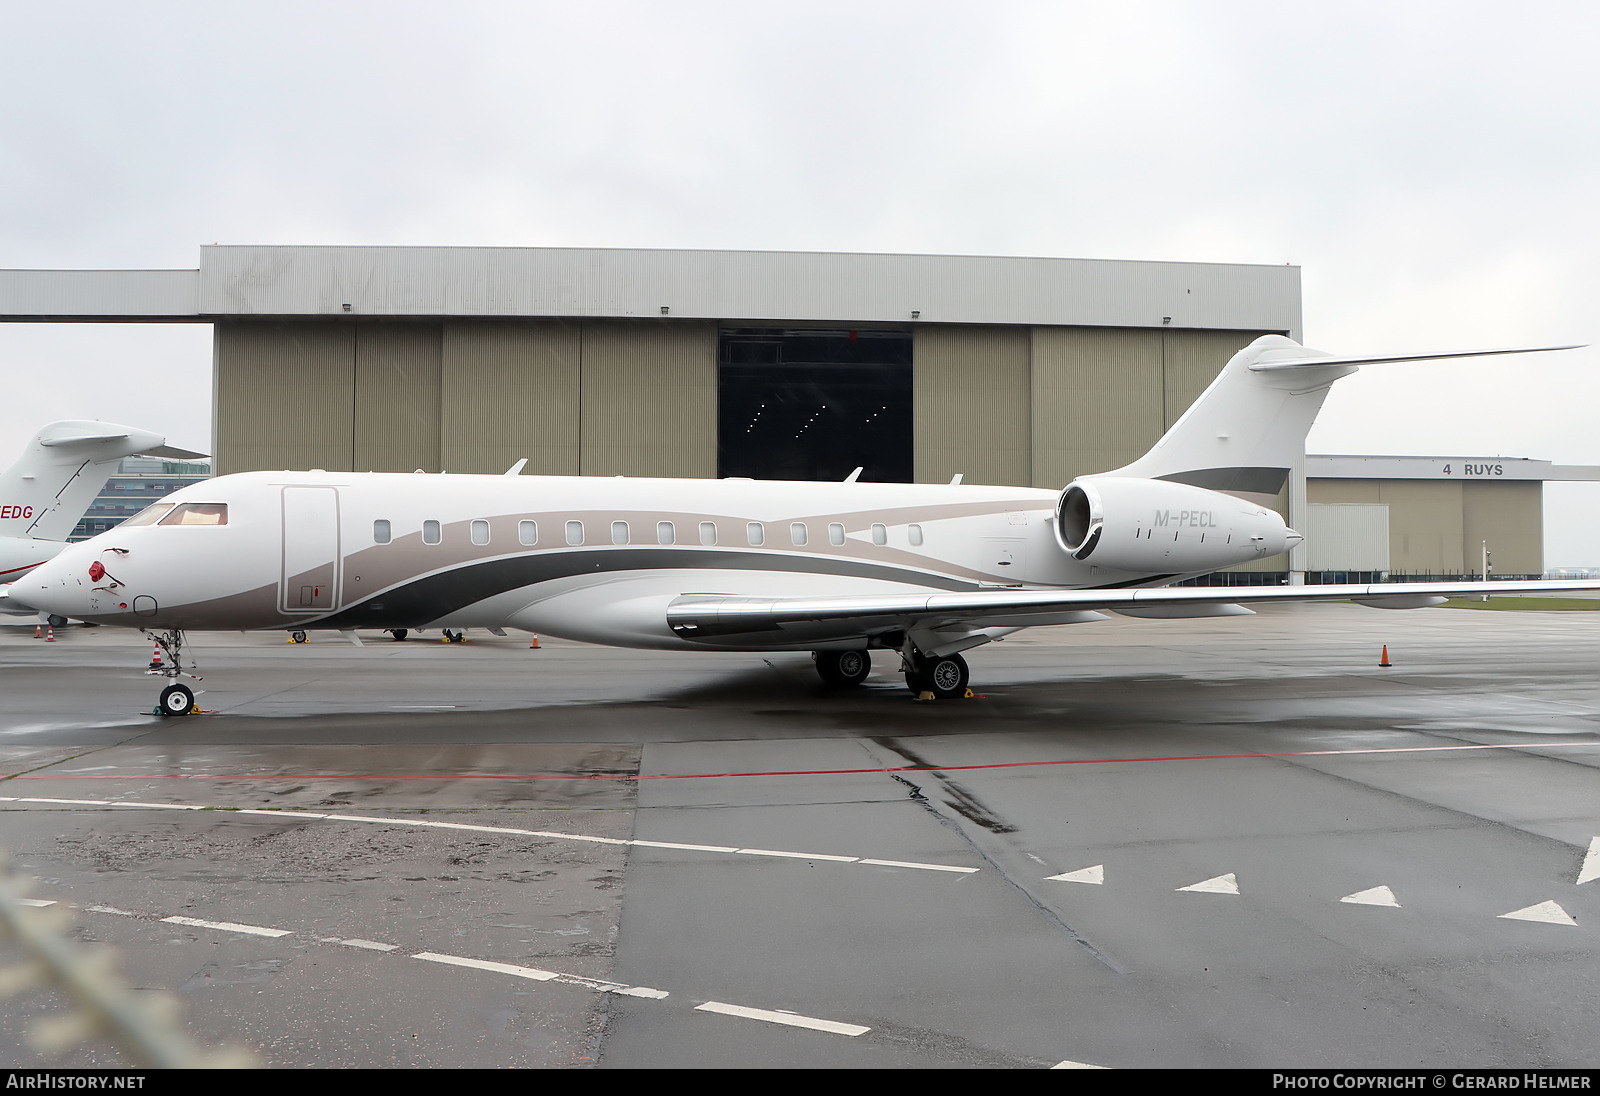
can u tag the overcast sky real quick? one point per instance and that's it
(1433, 168)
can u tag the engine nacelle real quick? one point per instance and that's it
(1160, 527)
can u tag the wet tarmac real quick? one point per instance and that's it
(1234, 842)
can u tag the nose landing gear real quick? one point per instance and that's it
(177, 698)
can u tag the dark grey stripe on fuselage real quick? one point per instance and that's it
(1258, 481)
(421, 600)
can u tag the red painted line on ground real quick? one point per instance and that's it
(803, 772)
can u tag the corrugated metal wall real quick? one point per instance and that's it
(397, 367)
(1347, 536)
(649, 399)
(1510, 516)
(285, 395)
(1437, 527)
(1097, 400)
(510, 390)
(970, 397)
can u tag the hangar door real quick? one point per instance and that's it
(814, 404)
(310, 576)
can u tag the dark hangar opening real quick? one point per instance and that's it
(814, 404)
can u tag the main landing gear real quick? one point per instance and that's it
(945, 676)
(177, 698)
(843, 668)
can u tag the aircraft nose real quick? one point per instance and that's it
(52, 587)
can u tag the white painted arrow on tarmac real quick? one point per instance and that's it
(1377, 896)
(1591, 863)
(1095, 875)
(1222, 884)
(1548, 912)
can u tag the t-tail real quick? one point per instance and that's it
(1166, 514)
(1247, 430)
(59, 473)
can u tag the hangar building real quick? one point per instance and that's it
(1025, 371)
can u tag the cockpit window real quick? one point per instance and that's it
(148, 516)
(198, 513)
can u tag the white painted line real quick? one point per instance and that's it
(913, 864)
(788, 1018)
(111, 909)
(1075, 1065)
(1222, 884)
(1591, 862)
(280, 814)
(369, 945)
(549, 834)
(1548, 912)
(1095, 875)
(36, 902)
(1377, 896)
(226, 926)
(483, 964)
(800, 855)
(689, 848)
(612, 987)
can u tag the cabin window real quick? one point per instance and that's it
(914, 535)
(835, 534)
(528, 532)
(619, 532)
(480, 531)
(665, 533)
(880, 534)
(797, 534)
(574, 532)
(149, 515)
(380, 531)
(198, 513)
(708, 532)
(430, 532)
(756, 532)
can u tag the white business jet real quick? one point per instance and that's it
(926, 571)
(44, 494)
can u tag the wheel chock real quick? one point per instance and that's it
(926, 694)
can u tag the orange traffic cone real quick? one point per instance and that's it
(49, 633)
(1384, 661)
(155, 659)
(38, 631)
(534, 646)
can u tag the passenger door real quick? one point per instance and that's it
(309, 582)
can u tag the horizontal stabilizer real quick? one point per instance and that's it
(1270, 361)
(70, 440)
(172, 452)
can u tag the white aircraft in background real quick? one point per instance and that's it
(45, 493)
(927, 571)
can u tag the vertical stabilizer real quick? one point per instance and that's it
(1248, 428)
(60, 472)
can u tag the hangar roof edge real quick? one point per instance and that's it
(244, 281)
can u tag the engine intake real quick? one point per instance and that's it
(1157, 526)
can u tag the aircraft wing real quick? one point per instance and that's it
(709, 616)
